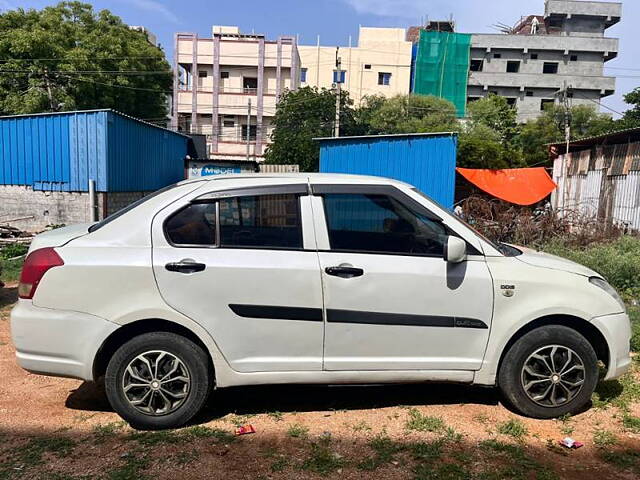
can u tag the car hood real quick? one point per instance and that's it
(545, 260)
(59, 236)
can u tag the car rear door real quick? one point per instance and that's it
(391, 301)
(243, 264)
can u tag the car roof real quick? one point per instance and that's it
(333, 178)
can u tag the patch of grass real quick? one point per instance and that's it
(604, 438)
(619, 393)
(12, 251)
(131, 470)
(442, 471)
(108, 430)
(240, 420)
(513, 428)
(280, 464)
(385, 450)
(634, 315)
(298, 431)
(31, 454)
(10, 270)
(624, 459)
(201, 431)
(520, 465)
(361, 426)
(184, 458)
(631, 423)
(427, 451)
(322, 460)
(423, 423)
(276, 416)
(482, 418)
(566, 428)
(181, 436)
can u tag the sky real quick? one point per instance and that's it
(336, 20)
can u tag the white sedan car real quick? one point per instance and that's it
(245, 280)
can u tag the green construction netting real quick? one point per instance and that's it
(442, 67)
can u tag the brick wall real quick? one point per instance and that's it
(38, 209)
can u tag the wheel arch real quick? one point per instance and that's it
(139, 327)
(585, 328)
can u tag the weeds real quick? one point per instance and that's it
(276, 416)
(108, 430)
(385, 450)
(631, 423)
(513, 428)
(624, 460)
(131, 470)
(181, 436)
(322, 460)
(604, 438)
(423, 423)
(298, 431)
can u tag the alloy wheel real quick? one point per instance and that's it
(156, 383)
(553, 375)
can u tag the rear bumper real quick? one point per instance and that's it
(617, 332)
(57, 342)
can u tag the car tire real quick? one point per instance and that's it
(171, 370)
(549, 372)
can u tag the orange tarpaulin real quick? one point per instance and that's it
(522, 186)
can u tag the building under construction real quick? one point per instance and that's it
(527, 63)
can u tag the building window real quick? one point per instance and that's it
(573, 58)
(202, 73)
(513, 67)
(529, 93)
(497, 55)
(367, 66)
(224, 74)
(265, 221)
(384, 78)
(228, 123)
(253, 130)
(534, 56)
(472, 99)
(546, 103)
(555, 22)
(550, 67)
(303, 75)
(476, 65)
(250, 85)
(511, 101)
(339, 76)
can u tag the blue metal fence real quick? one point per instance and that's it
(427, 161)
(62, 151)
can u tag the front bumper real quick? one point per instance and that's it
(57, 342)
(617, 332)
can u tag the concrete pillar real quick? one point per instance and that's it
(176, 73)
(194, 82)
(260, 97)
(216, 94)
(279, 69)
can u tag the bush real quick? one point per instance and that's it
(618, 261)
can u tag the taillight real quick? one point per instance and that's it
(35, 266)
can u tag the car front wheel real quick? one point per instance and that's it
(158, 380)
(549, 372)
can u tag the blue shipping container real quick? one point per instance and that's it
(62, 151)
(427, 161)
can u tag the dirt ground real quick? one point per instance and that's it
(59, 429)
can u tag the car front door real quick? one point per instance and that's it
(241, 264)
(391, 301)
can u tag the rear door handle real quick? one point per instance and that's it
(185, 266)
(344, 272)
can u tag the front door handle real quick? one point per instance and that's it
(344, 271)
(185, 266)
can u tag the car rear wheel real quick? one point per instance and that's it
(549, 372)
(158, 380)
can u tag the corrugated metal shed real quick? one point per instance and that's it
(427, 161)
(62, 151)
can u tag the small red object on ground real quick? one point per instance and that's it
(570, 443)
(245, 430)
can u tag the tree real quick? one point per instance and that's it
(631, 118)
(414, 114)
(301, 116)
(68, 57)
(586, 121)
(495, 113)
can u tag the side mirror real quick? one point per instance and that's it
(455, 250)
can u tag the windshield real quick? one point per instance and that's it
(506, 250)
(119, 213)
